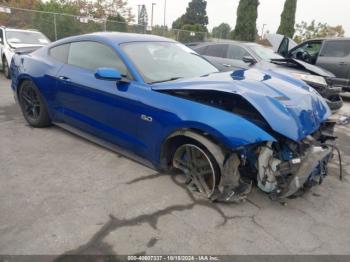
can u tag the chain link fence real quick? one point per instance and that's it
(58, 25)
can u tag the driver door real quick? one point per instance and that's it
(99, 107)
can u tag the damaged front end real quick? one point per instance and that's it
(282, 169)
(298, 139)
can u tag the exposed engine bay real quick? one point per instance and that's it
(282, 169)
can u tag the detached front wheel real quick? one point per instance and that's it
(32, 104)
(199, 166)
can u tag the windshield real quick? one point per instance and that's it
(265, 53)
(26, 37)
(164, 61)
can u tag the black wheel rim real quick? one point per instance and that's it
(197, 167)
(30, 102)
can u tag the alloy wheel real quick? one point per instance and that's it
(30, 101)
(197, 167)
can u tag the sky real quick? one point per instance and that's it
(333, 12)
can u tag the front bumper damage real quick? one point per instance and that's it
(277, 170)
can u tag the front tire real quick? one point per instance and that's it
(6, 68)
(199, 167)
(33, 106)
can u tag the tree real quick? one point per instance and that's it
(18, 18)
(222, 31)
(65, 25)
(288, 18)
(177, 24)
(116, 23)
(247, 13)
(315, 29)
(196, 13)
(78, 16)
(143, 16)
(192, 33)
(105, 8)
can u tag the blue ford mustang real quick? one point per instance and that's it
(160, 103)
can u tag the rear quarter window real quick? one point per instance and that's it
(60, 53)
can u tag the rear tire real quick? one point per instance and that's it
(6, 68)
(198, 165)
(33, 106)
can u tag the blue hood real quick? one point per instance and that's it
(291, 107)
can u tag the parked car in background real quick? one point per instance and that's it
(159, 102)
(18, 40)
(234, 55)
(332, 54)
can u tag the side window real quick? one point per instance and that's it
(217, 50)
(201, 50)
(236, 52)
(336, 49)
(60, 53)
(92, 55)
(312, 48)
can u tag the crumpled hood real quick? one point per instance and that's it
(291, 108)
(308, 67)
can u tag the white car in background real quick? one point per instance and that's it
(18, 40)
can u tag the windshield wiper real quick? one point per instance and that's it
(166, 80)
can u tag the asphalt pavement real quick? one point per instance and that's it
(60, 194)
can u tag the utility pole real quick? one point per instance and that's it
(164, 13)
(153, 4)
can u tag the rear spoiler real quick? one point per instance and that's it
(26, 50)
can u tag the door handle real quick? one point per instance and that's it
(226, 65)
(342, 63)
(64, 78)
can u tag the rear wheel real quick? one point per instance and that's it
(5, 68)
(32, 104)
(199, 167)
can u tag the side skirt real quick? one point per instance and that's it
(107, 145)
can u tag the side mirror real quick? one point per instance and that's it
(109, 74)
(248, 59)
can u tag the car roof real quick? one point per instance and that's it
(329, 38)
(20, 30)
(115, 38)
(198, 44)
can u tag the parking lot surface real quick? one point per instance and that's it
(60, 194)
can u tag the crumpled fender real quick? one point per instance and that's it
(228, 129)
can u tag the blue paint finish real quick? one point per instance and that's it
(108, 74)
(290, 107)
(115, 111)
